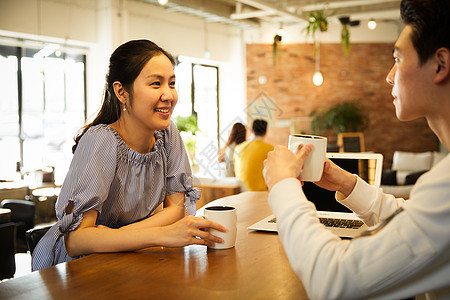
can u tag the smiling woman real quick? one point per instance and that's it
(140, 65)
(126, 163)
(147, 105)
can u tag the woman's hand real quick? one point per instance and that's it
(190, 231)
(337, 179)
(282, 163)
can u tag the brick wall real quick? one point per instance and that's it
(358, 77)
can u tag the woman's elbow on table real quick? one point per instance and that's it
(72, 247)
(77, 242)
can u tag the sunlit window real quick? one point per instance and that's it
(198, 91)
(42, 109)
(9, 121)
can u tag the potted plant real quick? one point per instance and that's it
(341, 117)
(188, 128)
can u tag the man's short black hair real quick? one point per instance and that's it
(430, 20)
(259, 127)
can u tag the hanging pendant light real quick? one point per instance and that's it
(281, 32)
(317, 77)
(206, 53)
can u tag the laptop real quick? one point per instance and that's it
(336, 217)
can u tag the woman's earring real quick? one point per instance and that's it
(124, 108)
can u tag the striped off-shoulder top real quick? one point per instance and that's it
(124, 186)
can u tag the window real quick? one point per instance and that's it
(43, 106)
(206, 100)
(198, 94)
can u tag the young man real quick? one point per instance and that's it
(407, 251)
(249, 158)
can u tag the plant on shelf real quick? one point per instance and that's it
(317, 21)
(188, 128)
(341, 117)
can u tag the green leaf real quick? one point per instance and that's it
(188, 124)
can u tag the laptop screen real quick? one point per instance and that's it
(367, 166)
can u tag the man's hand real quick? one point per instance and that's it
(335, 178)
(281, 164)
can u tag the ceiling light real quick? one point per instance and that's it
(318, 78)
(372, 24)
(262, 79)
(281, 31)
(163, 2)
(46, 51)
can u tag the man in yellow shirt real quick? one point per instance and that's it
(249, 158)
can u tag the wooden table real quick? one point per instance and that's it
(257, 268)
(45, 200)
(211, 192)
(215, 188)
(13, 190)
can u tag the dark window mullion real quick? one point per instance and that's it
(19, 53)
(83, 59)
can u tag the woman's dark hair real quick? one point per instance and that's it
(237, 135)
(430, 20)
(259, 127)
(125, 65)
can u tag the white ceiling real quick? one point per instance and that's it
(251, 13)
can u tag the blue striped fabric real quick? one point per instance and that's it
(124, 186)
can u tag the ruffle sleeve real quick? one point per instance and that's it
(85, 188)
(179, 175)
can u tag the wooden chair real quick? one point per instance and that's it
(351, 142)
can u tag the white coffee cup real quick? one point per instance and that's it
(313, 165)
(225, 216)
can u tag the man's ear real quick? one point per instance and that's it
(442, 58)
(120, 92)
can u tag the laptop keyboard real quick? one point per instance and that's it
(341, 223)
(331, 222)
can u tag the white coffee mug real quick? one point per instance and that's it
(313, 165)
(225, 216)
